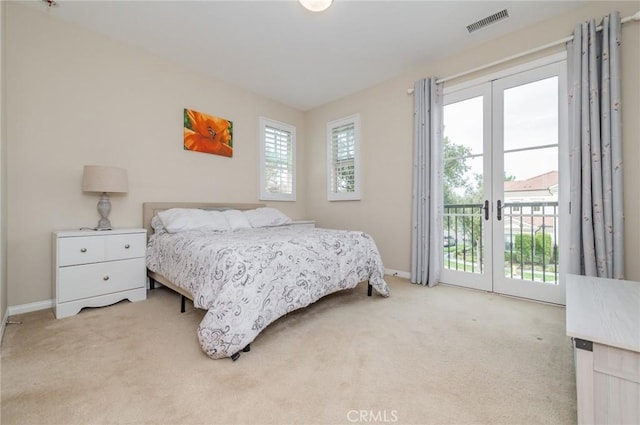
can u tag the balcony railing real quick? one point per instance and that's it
(463, 241)
(530, 240)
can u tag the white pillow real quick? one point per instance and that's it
(266, 217)
(183, 219)
(236, 219)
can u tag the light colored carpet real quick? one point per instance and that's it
(424, 356)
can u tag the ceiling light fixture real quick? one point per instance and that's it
(316, 5)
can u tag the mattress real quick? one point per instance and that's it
(248, 278)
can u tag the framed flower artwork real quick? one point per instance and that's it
(208, 134)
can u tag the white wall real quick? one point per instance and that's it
(76, 98)
(3, 176)
(387, 126)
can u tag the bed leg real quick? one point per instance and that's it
(236, 356)
(182, 303)
(369, 289)
(152, 283)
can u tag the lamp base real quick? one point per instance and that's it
(103, 226)
(104, 208)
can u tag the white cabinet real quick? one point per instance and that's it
(98, 268)
(603, 318)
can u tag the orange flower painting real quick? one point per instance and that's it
(206, 133)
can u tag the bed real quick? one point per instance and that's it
(248, 277)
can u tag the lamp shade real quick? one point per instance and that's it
(316, 5)
(98, 178)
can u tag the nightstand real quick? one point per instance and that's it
(303, 223)
(98, 268)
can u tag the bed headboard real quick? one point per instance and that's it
(149, 209)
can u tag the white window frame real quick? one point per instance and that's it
(355, 194)
(460, 91)
(276, 196)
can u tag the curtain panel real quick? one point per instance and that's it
(596, 245)
(427, 202)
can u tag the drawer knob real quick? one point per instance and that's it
(83, 249)
(105, 278)
(127, 246)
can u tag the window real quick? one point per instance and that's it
(277, 161)
(343, 152)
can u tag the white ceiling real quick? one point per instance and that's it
(302, 59)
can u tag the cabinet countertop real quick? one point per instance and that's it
(91, 232)
(604, 311)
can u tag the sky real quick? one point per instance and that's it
(531, 120)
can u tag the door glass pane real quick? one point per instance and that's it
(531, 115)
(463, 186)
(530, 212)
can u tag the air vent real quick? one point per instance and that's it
(496, 17)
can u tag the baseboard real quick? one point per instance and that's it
(397, 273)
(43, 305)
(28, 308)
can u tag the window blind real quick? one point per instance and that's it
(278, 160)
(343, 151)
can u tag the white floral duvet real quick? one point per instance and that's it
(248, 278)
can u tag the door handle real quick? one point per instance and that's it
(499, 210)
(486, 210)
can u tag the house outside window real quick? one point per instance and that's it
(277, 161)
(343, 159)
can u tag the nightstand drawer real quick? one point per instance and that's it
(80, 250)
(96, 269)
(91, 280)
(120, 247)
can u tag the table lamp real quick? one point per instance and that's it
(98, 178)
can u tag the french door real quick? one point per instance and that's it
(504, 151)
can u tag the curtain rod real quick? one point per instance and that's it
(634, 17)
